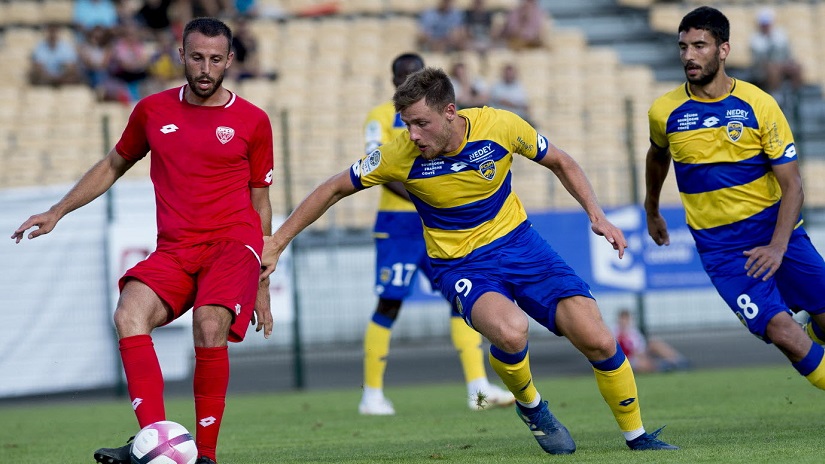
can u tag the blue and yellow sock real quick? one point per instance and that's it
(376, 349)
(616, 382)
(812, 366)
(815, 332)
(514, 371)
(467, 343)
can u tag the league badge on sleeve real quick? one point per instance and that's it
(370, 162)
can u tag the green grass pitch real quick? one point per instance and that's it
(753, 415)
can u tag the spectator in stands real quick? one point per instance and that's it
(525, 26)
(245, 46)
(247, 8)
(90, 13)
(129, 61)
(201, 8)
(155, 16)
(470, 91)
(54, 60)
(773, 63)
(441, 28)
(165, 66)
(94, 52)
(508, 93)
(646, 354)
(478, 27)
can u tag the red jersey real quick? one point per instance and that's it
(205, 160)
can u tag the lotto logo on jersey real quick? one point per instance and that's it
(790, 151)
(224, 134)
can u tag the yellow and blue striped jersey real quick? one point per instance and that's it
(384, 124)
(464, 197)
(723, 151)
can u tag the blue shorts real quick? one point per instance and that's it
(400, 253)
(797, 285)
(521, 266)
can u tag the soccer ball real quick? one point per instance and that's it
(164, 442)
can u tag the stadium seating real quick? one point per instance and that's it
(331, 70)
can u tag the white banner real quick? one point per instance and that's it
(57, 300)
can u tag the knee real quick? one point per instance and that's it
(597, 346)
(210, 328)
(208, 333)
(512, 335)
(131, 321)
(123, 319)
(788, 336)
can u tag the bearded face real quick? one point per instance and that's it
(701, 56)
(205, 60)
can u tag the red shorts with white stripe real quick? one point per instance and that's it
(223, 273)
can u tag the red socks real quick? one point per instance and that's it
(210, 384)
(145, 385)
(144, 378)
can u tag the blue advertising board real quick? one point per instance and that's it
(645, 265)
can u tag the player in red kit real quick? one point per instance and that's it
(212, 161)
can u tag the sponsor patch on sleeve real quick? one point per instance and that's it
(370, 162)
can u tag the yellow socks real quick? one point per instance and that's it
(514, 371)
(468, 344)
(376, 349)
(815, 332)
(812, 366)
(616, 382)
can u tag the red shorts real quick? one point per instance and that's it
(224, 273)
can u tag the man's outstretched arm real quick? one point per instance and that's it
(97, 180)
(308, 211)
(571, 175)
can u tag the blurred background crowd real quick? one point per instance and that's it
(570, 68)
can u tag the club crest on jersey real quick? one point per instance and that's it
(735, 129)
(488, 169)
(224, 134)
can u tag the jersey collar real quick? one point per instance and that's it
(231, 101)
(691, 96)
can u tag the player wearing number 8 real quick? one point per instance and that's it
(485, 255)
(736, 167)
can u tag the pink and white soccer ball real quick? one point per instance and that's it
(164, 442)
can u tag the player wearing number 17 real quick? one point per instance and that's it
(485, 255)
(736, 167)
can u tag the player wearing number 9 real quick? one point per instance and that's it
(485, 255)
(736, 167)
